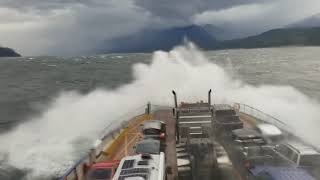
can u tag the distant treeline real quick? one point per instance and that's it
(278, 37)
(7, 52)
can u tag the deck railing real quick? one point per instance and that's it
(112, 131)
(261, 116)
(108, 135)
(266, 118)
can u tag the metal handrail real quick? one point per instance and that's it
(272, 117)
(108, 132)
(243, 108)
(123, 123)
(262, 116)
(70, 170)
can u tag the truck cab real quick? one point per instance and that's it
(298, 155)
(248, 149)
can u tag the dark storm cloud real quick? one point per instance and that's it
(71, 27)
(44, 5)
(36, 27)
(185, 9)
(250, 19)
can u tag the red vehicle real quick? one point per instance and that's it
(102, 170)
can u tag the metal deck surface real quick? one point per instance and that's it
(133, 135)
(171, 159)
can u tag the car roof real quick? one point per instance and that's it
(246, 133)
(282, 173)
(222, 107)
(302, 148)
(269, 129)
(129, 165)
(153, 124)
(155, 120)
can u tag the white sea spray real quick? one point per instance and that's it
(49, 143)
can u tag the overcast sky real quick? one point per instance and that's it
(70, 27)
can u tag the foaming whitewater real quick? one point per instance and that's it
(47, 144)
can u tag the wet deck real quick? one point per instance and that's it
(124, 143)
(132, 134)
(171, 159)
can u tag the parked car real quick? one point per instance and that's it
(297, 154)
(278, 173)
(270, 132)
(248, 148)
(247, 137)
(102, 170)
(148, 146)
(154, 129)
(226, 119)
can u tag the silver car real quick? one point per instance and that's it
(154, 129)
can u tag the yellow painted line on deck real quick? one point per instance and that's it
(127, 145)
(112, 148)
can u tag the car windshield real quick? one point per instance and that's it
(251, 142)
(148, 147)
(100, 174)
(283, 149)
(252, 151)
(151, 132)
(293, 156)
(287, 152)
(249, 137)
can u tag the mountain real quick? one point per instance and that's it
(313, 21)
(165, 39)
(7, 52)
(223, 33)
(217, 32)
(204, 37)
(278, 37)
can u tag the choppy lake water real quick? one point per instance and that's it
(27, 84)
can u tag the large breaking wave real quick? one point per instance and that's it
(47, 144)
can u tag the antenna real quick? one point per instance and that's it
(209, 97)
(175, 99)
